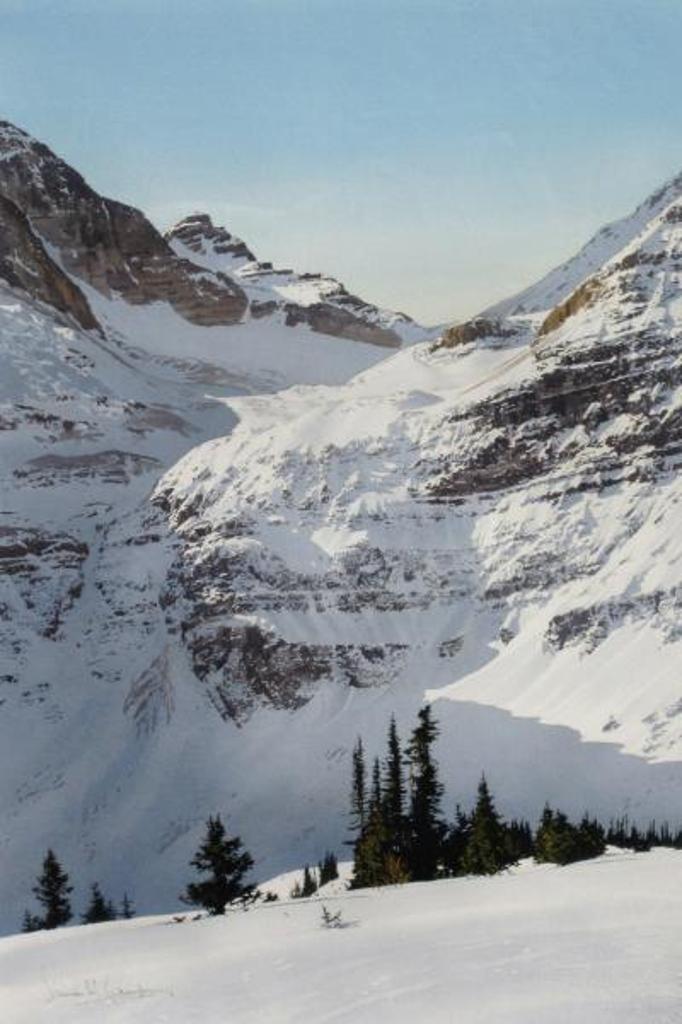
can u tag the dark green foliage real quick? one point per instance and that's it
(358, 795)
(31, 922)
(306, 887)
(127, 907)
(487, 849)
(328, 868)
(401, 837)
(99, 909)
(557, 841)
(519, 840)
(426, 829)
(394, 794)
(455, 843)
(371, 846)
(52, 892)
(226, 864)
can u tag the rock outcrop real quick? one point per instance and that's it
(106, 244)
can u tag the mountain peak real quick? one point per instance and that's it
(215, 246)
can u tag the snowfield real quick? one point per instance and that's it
(592, 943)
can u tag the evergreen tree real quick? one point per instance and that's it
(559, 842)
(358, 796)
(52, 892)
(394, 797)
(306, 887)
(455, 842)
(99, 909)
(487, 849)
(226, 863)
(371, 846)
(328, 868)
(519, 836)
(127, 908)
(31, 922)
(426, 830)
(309, 885)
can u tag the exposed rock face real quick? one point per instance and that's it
(111, 246)
(389, 518)
(25, 264)
(45, 570)
(203, 238)
(313, 300)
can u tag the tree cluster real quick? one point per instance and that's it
(313, 879)
(623, 833)
(557, 841)
(52, 891)
(399, 833)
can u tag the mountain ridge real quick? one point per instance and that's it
(206, 586)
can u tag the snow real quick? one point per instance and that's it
(263, 283)
(595, 942)
(610, 240)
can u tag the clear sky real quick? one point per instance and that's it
(433, 154)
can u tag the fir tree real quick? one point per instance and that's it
(394, 794)
(328, 868)
(559, 842)
(371, 847)
(455, 842)
(358, 796)
(127, 908)
(99, 909)
(309, 885)
(52, 892)
(425, 826)
(486, 850)
(519, 836)
(226, 863)
(31, 922)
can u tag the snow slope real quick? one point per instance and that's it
(596, 942)
(558, 284)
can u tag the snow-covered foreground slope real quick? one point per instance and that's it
(594, 943)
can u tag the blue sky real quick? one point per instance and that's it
(433, 154)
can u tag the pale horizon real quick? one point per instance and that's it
(435, 157)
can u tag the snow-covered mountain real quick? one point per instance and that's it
(198, 618)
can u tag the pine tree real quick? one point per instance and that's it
(358, 796)
(487, 849)
(328, 868)
(127, 908)
(425, 825)
(99, 909)
(226, 864)
(394, 794)
(52, 892)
